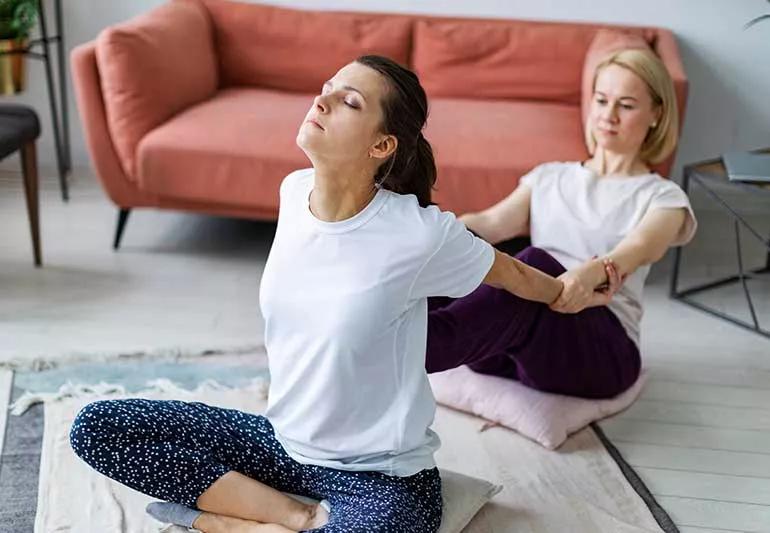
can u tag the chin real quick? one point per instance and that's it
(304, 141)
(609, 143)
(308, 146)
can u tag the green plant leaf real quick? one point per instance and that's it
(750, 23)
(7, 31)
(17, 18)
(25, 17)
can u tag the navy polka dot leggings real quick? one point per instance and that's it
(174, 451)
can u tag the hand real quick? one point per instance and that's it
(576, 293)
(580, 292)
(604, 293)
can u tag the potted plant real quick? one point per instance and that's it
(17, 18)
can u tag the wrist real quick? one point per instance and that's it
(558, 287)
(594, 272)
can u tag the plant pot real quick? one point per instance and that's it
(13, 67)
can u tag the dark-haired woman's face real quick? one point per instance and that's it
(344, 123)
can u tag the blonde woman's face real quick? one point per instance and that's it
(622, 111)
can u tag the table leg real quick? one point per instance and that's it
(52, 100)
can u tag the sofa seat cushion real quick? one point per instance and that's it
(483, 147)
(237, 147)
(234, 149)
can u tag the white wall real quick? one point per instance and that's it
(728, 68)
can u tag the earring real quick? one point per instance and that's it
(654, 125)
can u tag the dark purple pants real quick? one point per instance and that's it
(585, 354)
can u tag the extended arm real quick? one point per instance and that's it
(646, 244)
(506, 219)
(522, 280)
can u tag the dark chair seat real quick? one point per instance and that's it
(19, 125)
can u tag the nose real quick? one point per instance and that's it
(321, 104)
(610, 113)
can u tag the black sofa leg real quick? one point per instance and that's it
(122, 219)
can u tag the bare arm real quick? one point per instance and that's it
(648, 242)
(522, 280)
(645, 245)
(506, 219)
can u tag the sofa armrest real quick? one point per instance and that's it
(90, 105)
(152, 67)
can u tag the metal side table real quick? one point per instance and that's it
(711, 177)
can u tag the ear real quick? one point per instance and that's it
(658, 113)
(384, 148)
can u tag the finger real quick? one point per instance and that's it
(576, 308)
(556, 308)
(562, 304)
(557, 305)
(578, 302)
(613, 279)
(599, 299)
(569, 304)
(610, 269)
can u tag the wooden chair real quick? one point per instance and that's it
(19, 129)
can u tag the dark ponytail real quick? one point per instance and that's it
(411, 169)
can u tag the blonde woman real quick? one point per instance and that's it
(579, 214)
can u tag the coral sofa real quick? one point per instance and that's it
(195, 105)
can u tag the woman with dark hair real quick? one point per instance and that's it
(357, 252)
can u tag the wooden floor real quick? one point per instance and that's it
(699, 436)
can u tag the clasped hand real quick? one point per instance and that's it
(580, 292)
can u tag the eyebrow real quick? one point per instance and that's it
(621, 98)
(348, 88)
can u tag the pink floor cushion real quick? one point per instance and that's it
(543, 417)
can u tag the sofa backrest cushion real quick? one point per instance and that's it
(506, 59)
(152, 67)
(296, 50)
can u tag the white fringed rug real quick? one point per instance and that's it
(579, 488)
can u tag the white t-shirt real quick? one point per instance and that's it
(345, 309)
(575, 215)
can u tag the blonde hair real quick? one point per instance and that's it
(661, 140)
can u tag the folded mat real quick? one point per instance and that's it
(579, 488)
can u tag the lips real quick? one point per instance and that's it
(315, 123)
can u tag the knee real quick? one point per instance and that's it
(541, 260)
(89, 427)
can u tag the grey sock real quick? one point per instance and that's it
(173, 513)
